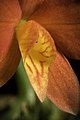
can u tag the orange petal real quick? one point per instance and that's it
(63, 86)
(29, 6)
(10, 14)
(38, 51)
(62, 19)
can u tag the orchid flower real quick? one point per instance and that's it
(42, 32)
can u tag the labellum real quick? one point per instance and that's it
(48, 71)
(38, 51)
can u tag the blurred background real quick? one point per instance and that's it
(18, 100)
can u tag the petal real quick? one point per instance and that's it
(38, 51)
(10, 11)
(29, 6)
(10, 14)
(63, 86)
(62, 19)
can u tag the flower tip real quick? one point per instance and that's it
(41, 99)
(73, 111)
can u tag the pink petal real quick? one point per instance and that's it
(10, 14)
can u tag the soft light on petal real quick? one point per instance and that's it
(29, 6)
(62, 19)
(63, 86)
(10, 14)
(38, 51)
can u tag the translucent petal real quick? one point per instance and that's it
(38, 51)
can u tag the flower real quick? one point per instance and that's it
(48, 70)
(62, 19)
